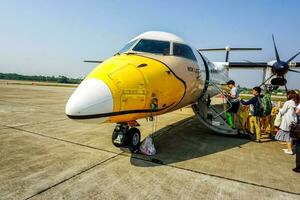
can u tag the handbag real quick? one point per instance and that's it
(295, 130)
(278, 119)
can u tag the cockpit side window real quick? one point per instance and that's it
(184, 51)
(127, 46)
(153, 46)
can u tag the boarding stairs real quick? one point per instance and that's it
(211, 111)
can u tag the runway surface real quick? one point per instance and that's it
(45, 155)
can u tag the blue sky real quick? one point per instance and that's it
(53, 37)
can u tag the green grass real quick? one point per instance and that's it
(275, 98)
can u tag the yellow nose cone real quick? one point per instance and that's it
(135, 81)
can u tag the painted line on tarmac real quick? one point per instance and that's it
(73, 176)
(74, 143)
(211, 175)
(43, 122)
(151, 161)
(3, 133)
(3, 126)
(21, 103)
(236, 180)
(35, 123)
(91, 147)
(66, 141)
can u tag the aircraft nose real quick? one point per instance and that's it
(92, 98)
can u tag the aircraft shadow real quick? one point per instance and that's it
(185, 140)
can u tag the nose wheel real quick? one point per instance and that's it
(124, 136)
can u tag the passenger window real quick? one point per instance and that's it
(184, 51)
(153, 46)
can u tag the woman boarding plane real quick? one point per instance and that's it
(155, 73)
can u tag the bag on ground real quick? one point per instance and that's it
(147, 147)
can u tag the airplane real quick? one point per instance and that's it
(153, 74)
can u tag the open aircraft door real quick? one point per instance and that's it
(212, 105)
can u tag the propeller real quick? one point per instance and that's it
(276, 68)
(280, 68)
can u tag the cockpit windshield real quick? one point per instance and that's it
(183, 50)
(127, 46)
(153, 46)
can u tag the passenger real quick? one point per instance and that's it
(288, 114)
(278, 117)
(265, 124)
(275, 110)
(266, 119)
(234, 101)
(297, 142)
(254, 119)
(243, 116)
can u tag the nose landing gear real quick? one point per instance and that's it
(126, 136)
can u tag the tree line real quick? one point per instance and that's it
(54, 79)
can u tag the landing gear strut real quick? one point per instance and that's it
(124, 136)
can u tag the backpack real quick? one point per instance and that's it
(264, 106)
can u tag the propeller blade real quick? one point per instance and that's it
(93, 61)
(292, 58)
(291, 70)
(266, 80)
(286, 89)
(276, 52)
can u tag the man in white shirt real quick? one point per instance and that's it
(233, 98)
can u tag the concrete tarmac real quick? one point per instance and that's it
(45, 155)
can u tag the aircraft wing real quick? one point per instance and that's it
(297, 64)
(230, 49)
(247, 65)
(256, 64)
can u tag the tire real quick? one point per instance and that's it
(113, 137)
(134, 138)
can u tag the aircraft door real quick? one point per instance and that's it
(131, 87)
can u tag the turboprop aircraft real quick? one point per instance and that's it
(153, 74)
